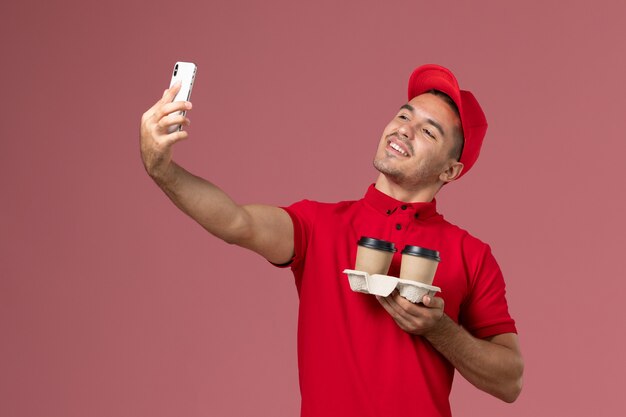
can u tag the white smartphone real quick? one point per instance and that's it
(186, 73)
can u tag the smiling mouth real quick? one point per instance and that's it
(397, 148)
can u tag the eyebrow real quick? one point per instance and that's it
(428, 119)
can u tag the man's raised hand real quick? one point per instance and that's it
(155, 140)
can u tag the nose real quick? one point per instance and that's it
(405, 130)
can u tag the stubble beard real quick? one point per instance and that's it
(422, 176)
(394, 174)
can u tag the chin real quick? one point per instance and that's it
(391, 173)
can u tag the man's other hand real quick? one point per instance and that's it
(417, 319)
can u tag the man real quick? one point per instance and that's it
(361, 355)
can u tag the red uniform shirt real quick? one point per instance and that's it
(353, 358)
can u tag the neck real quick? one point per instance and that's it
(401, 193)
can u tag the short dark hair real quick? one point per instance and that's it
(457, 147)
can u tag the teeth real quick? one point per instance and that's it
(398, 148)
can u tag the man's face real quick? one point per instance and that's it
(416, 145)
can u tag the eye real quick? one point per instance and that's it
(403, 116)
(429, 133)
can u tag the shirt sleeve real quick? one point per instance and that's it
(302, 215)
(485, 311)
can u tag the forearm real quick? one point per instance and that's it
(491, 367)
(204, 202)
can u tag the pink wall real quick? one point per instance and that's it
(112, 303)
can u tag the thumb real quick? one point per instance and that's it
(432, 302)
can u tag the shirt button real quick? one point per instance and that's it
(398, 226)
(403, 207)
(417, 215)
(388, 211)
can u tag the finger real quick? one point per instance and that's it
(403, 302)
(176, 106)
(386, 303)
(411, 309)
(152, 110)
(162, 99)
(174, 137)
(433, 302)
(403, 321)
(171, 120)
(171, 92)
(383, 301)
(417, 314)
(167, 109)
(399, 308)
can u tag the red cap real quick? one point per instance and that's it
(435, 77)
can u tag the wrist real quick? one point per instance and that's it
(164, 175)
(441, 330)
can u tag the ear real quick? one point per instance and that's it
(452, 172)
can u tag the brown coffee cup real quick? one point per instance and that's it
(374, 255)
(419, 264)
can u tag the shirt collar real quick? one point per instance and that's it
(388, 205)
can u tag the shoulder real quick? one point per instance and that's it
(471, 246)
(452, 230)
(308, 214)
